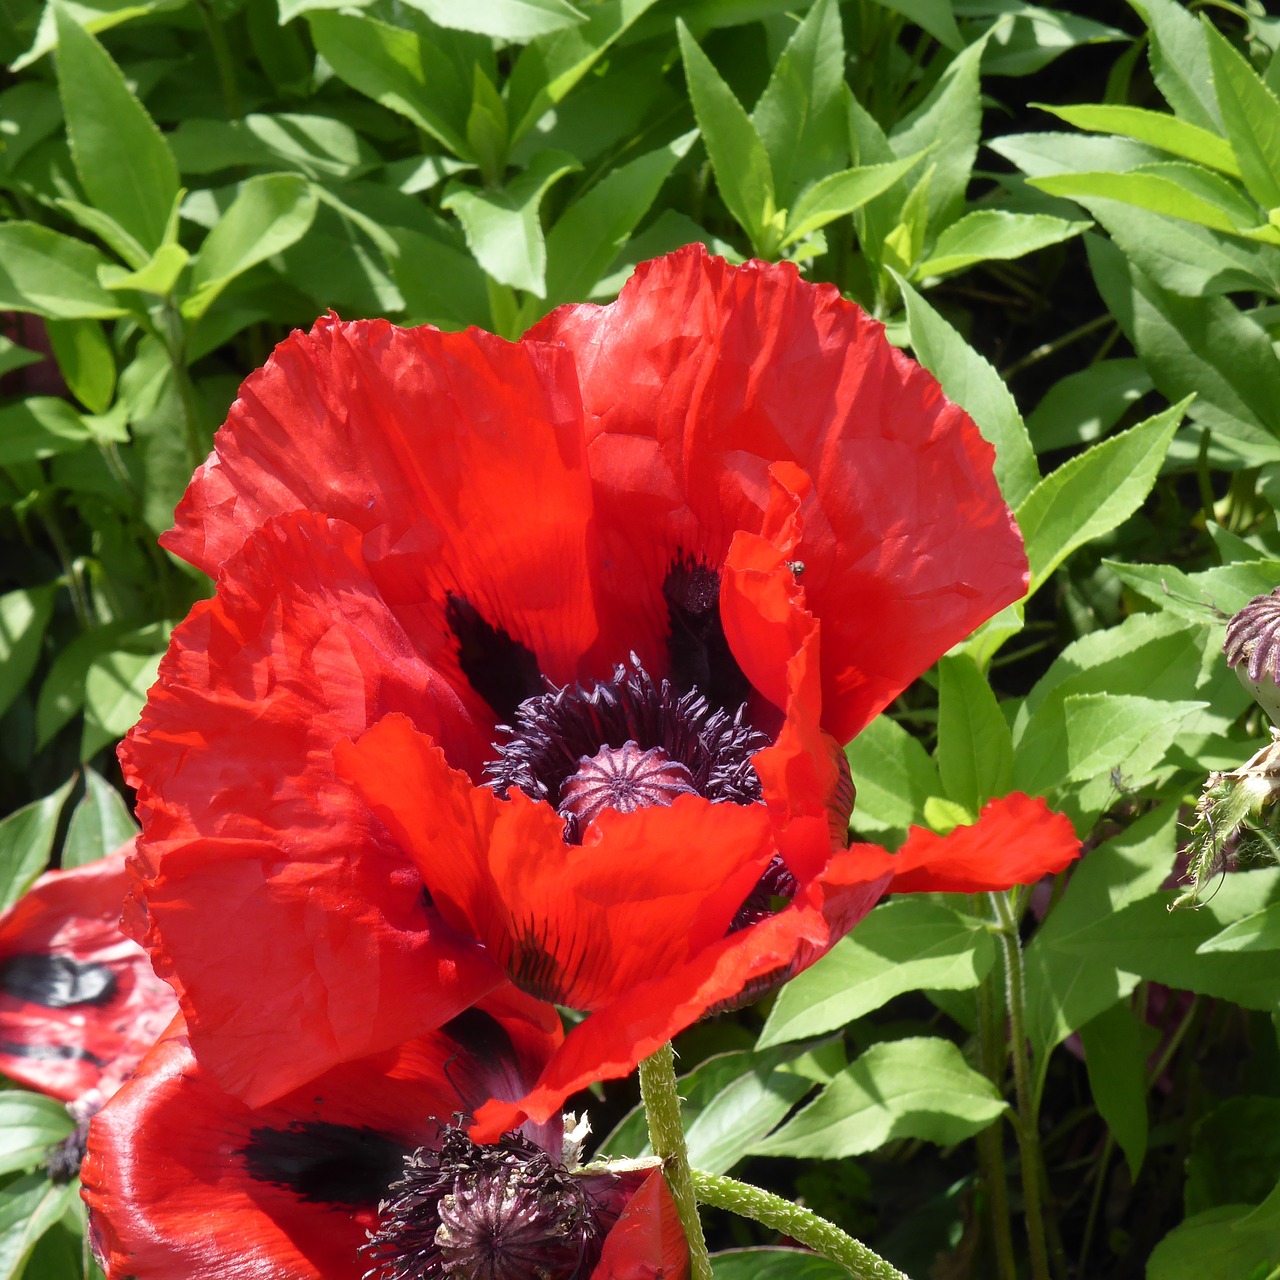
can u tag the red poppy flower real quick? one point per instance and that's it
(184, 1182)
(668, 554)
(79, 1005)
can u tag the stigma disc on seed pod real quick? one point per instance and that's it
(1252, 649)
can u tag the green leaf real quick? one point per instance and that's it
(840, 194)
(51, 274)
(1235, 1154)
(1067, 984)
(737, 153)
(1154, 127)
(100, 823)
(1116, 1059)
(1251, 115)
(158, 276)
(774, 1264)
(487, 131)
(123, 161)
(107, 229)
(114, 693)
(399, 69)
(26, 841)
(1198, 597)
(1180, 63)
(904, 945)
(270, 212)
(1197, 346)
(975, 747)
(974, 385)
(1084, 406)
(800, 117)
(503, 228)
(992, 234)
(23, 617)
(893, 776)
(315, 146)
(86, 360)
(514, 20)
(29, 1124)
(914, 1088)
(934, 16)
(14, 357)
(38, 427)
(1092, 493)
(442, 283)
(588, 236)
(1257, 932)
(62, 693)
(29, 1206)
(1231, 1240)
(1159, 192)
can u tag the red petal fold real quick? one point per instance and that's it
(700, 377)
(1016, 840)
(291, 925)
(647, 1232)
(388, 429)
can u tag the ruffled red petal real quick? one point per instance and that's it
(184, 1182)
(580, 924)
(79, 1005)
(459, 456)
(292, 927)
(1016, 840)
(699, 378)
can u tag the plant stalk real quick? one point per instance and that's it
(990, 1141)
(1028, 1129)
(791, 1220)
(661, 1100)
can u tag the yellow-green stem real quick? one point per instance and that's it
(661, 1101)
(799, 1224)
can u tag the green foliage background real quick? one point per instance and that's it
(1096, 279)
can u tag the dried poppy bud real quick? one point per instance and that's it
(1253, 650)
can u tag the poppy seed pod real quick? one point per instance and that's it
(1252, 649)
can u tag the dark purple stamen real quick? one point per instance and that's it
(701, 750)
(501, 1212)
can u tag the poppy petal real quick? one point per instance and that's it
(1016, 840)
(249, 836)
(701, 375)
(185, 1182)
(79, 1005)
(560, 917)
(647, 1232)
(383, 428)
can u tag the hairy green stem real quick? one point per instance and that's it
(1028, 1129)
(791, 1220)
(661, 1101)
(991, 1140)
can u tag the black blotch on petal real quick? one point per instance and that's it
(56, 981)
(50, 1052)
(698, 651)
(325, 1163)
(481, 1036)
(501, 670)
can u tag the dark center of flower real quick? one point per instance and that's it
(623, 743)
(501, 1212)
(624, 778)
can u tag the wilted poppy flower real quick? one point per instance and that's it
(668, 555)
(185, 1182)
(79, 1005)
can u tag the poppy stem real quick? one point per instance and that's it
(791, 1220)
(661, 1100)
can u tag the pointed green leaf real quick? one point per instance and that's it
(123, 161)
(976, 387)
(23, 617)
(270, 212)
(1251, 114)
(51, 274)
(840, 194)
(100, 823)
(994, 235)
(801, 114)
(1158, 128)
(1091, 494)
(514, 20)
(736, 151)
(29, 1206)
(29, 1124)
(914, 1088)
(893, 775)
(1181, 64)
(1116, 1059)
(1257, 932)
(975, 747)
(115, 690)
(158, 277)
(503, 228)
(37, 427)
(26, 841)
(86, 360)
